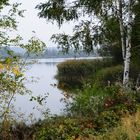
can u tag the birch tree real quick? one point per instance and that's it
(90, 31)
(126, 19)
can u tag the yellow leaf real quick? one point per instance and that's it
(1, 66)
(7, 67)
(16, 71)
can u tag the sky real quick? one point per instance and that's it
(31, 22)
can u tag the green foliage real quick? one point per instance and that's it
(134, 71)
(88, 33)
(11, 66)
(104, 105)
(136, 36)
(114, 74)
(136, 56)
(85, 124)
(110, 74)
(64, 128)
(34, 46)
(87, 102)
(105, 115)
(57, 129)
(136, 26)
(138, 137)
(127, 130)
(3, 3)
(110, 30)
(82, 39)
(56, 10)
(74, 73)
(110, 36)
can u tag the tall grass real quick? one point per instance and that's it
(128, 130)
(74, 73)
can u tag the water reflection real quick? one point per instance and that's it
(44, 71)
(44, 74)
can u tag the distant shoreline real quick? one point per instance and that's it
(58, 60)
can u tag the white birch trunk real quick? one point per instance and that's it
(122, 31)
(127, 66)
(128, 46)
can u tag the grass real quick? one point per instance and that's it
(128, 130)
(100, 111)
(74, 74)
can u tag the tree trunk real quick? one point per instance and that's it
(127, 66)
(122, 31)
(128, 46)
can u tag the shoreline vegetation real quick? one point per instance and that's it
(101, 108)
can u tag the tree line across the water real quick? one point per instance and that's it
(49, 52)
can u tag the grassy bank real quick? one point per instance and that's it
(73, 74)
(96, 113)
(102, 109)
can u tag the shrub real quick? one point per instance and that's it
(88, 102)
(111, 74)
(114, 74)
(134, 72)
(64, 128)
(104, 105)
(127, 130)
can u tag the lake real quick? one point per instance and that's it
(44, 71)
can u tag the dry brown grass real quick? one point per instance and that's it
(128, 130)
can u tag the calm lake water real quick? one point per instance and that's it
(44, 70)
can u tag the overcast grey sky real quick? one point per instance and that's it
(31, 22)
